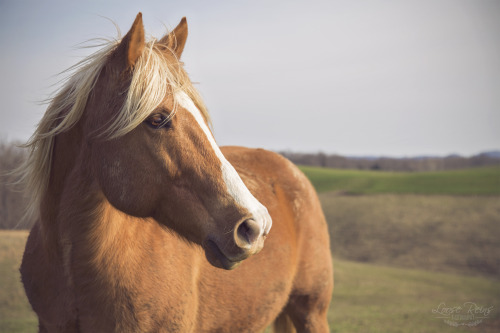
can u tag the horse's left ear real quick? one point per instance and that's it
(131, 46)
(176, 39)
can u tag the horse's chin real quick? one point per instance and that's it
(216, 258)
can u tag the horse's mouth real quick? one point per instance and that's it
(216, 258)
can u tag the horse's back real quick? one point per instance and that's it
(298, 245)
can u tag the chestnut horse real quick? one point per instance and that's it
(145, 225)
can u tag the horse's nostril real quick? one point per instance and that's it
(248, 231)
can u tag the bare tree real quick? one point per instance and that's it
(12, 199)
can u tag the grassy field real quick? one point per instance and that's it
(456, 234)
(476, 181)
(15, 311)
(371, 298)
(367, 298)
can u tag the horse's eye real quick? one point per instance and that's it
(157, 121)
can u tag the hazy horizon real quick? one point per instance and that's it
(377, 78)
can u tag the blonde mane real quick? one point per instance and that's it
(153, 78)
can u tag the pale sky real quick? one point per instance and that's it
(394, 78)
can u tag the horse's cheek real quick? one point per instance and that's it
(128, 188)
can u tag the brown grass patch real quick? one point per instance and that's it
(439, 233)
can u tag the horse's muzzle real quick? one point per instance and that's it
(216, 258)
(248, 239)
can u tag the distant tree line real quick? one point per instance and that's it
(393, 164)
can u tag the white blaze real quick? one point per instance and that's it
(235, 186)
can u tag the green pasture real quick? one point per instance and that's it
(474, 181)
(372, 298)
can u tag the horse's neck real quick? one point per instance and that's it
(73, 202)
(63, 161)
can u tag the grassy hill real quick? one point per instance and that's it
(367, 298)
(475, 181)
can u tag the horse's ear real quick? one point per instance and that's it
(132, 45)
(176, 39)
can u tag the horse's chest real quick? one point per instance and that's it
(140, 308)
(147, 295)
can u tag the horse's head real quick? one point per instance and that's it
(160, 158)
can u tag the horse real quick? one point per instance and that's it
(144, 224)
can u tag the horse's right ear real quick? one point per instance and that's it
(131, 46)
